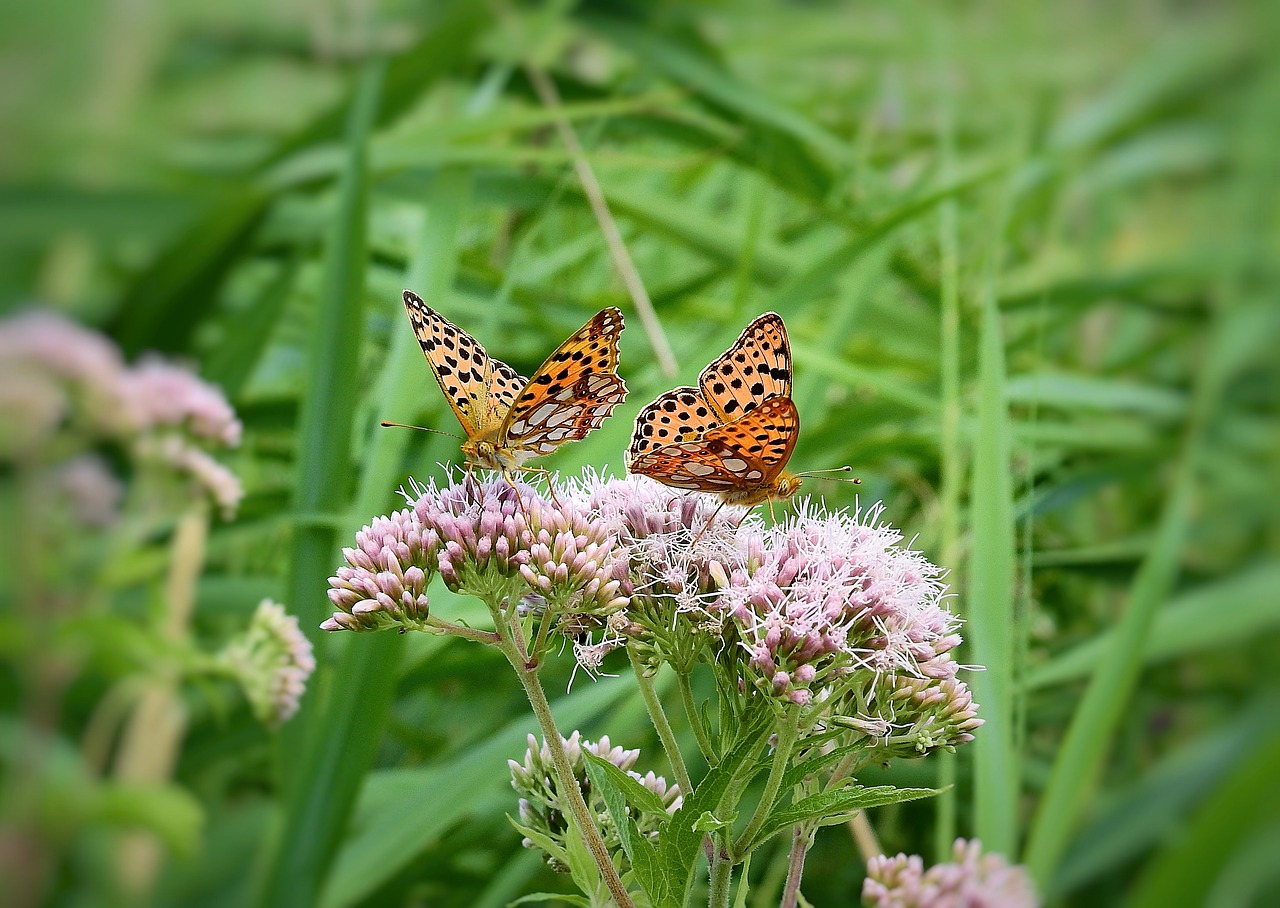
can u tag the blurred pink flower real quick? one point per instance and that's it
(973, 880)
(272, 660)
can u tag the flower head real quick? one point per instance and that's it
(384, 582)
(543, 809)
(64, 388)
(272, 660)
(161, 395)
(972, 880)
(485, 537)
(825, 594)
(56, 376)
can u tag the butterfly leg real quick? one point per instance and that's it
(506, 474)
(543, 471)
(707, 525)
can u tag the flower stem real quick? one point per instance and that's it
(691, 709)
(153, 736)
(788, 732)
(585, 823)
(466, 633)
(659, 718)
(721, 877)
(801, 840)
(865, 836)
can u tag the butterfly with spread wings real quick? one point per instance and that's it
(734, 433)
(509, 419)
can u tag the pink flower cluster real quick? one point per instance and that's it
(543, 810)
(487, 538)
(972, 880)
(64, 388)
(828, 610)
(272, 660)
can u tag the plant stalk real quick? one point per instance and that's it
(721, 877)
(787, 735)
(585, 823)
(151, 739)
(658, 716)
(691, 710)
(801, 841)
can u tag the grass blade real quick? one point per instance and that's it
(328, 746)
(989, 600)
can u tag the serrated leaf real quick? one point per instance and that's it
(829, 807)
(619, 791)
(797, 772)
(534, 897)
(633, 791)
(680, 838)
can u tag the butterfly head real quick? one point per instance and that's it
(488, 455)
(786, 486)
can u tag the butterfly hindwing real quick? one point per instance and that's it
(571, 393)
(751, 450)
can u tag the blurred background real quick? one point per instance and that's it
(1028, 259)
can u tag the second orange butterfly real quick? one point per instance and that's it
(734, 433)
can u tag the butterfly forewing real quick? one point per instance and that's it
(571, 393)
(756, 368)
(749, 451)
(479, 389)
(677, 416)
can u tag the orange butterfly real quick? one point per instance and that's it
(509, 419)
(734, 433)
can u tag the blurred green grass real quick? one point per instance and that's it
(1028, 260)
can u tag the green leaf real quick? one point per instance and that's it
(535, 897)
(620, 791)
(680, 838)
(829, 807)
(992, 630)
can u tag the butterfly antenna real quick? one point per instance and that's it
(817, 474)
(400, 425)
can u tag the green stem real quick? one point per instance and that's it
(152, 736)
(569, 788)
(691, 710)
(466, 633)
(658, 717)
(787, 735)
(721, 877)
(865, 836)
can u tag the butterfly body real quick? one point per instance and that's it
(507, 418)
(733, 434)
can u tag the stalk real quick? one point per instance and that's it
(721, 877)
(787, 736)
(691, 709)
(153, 735)
(585, 823)
(658, 717)
(801, 840)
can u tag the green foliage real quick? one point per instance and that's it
(1089, 446)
